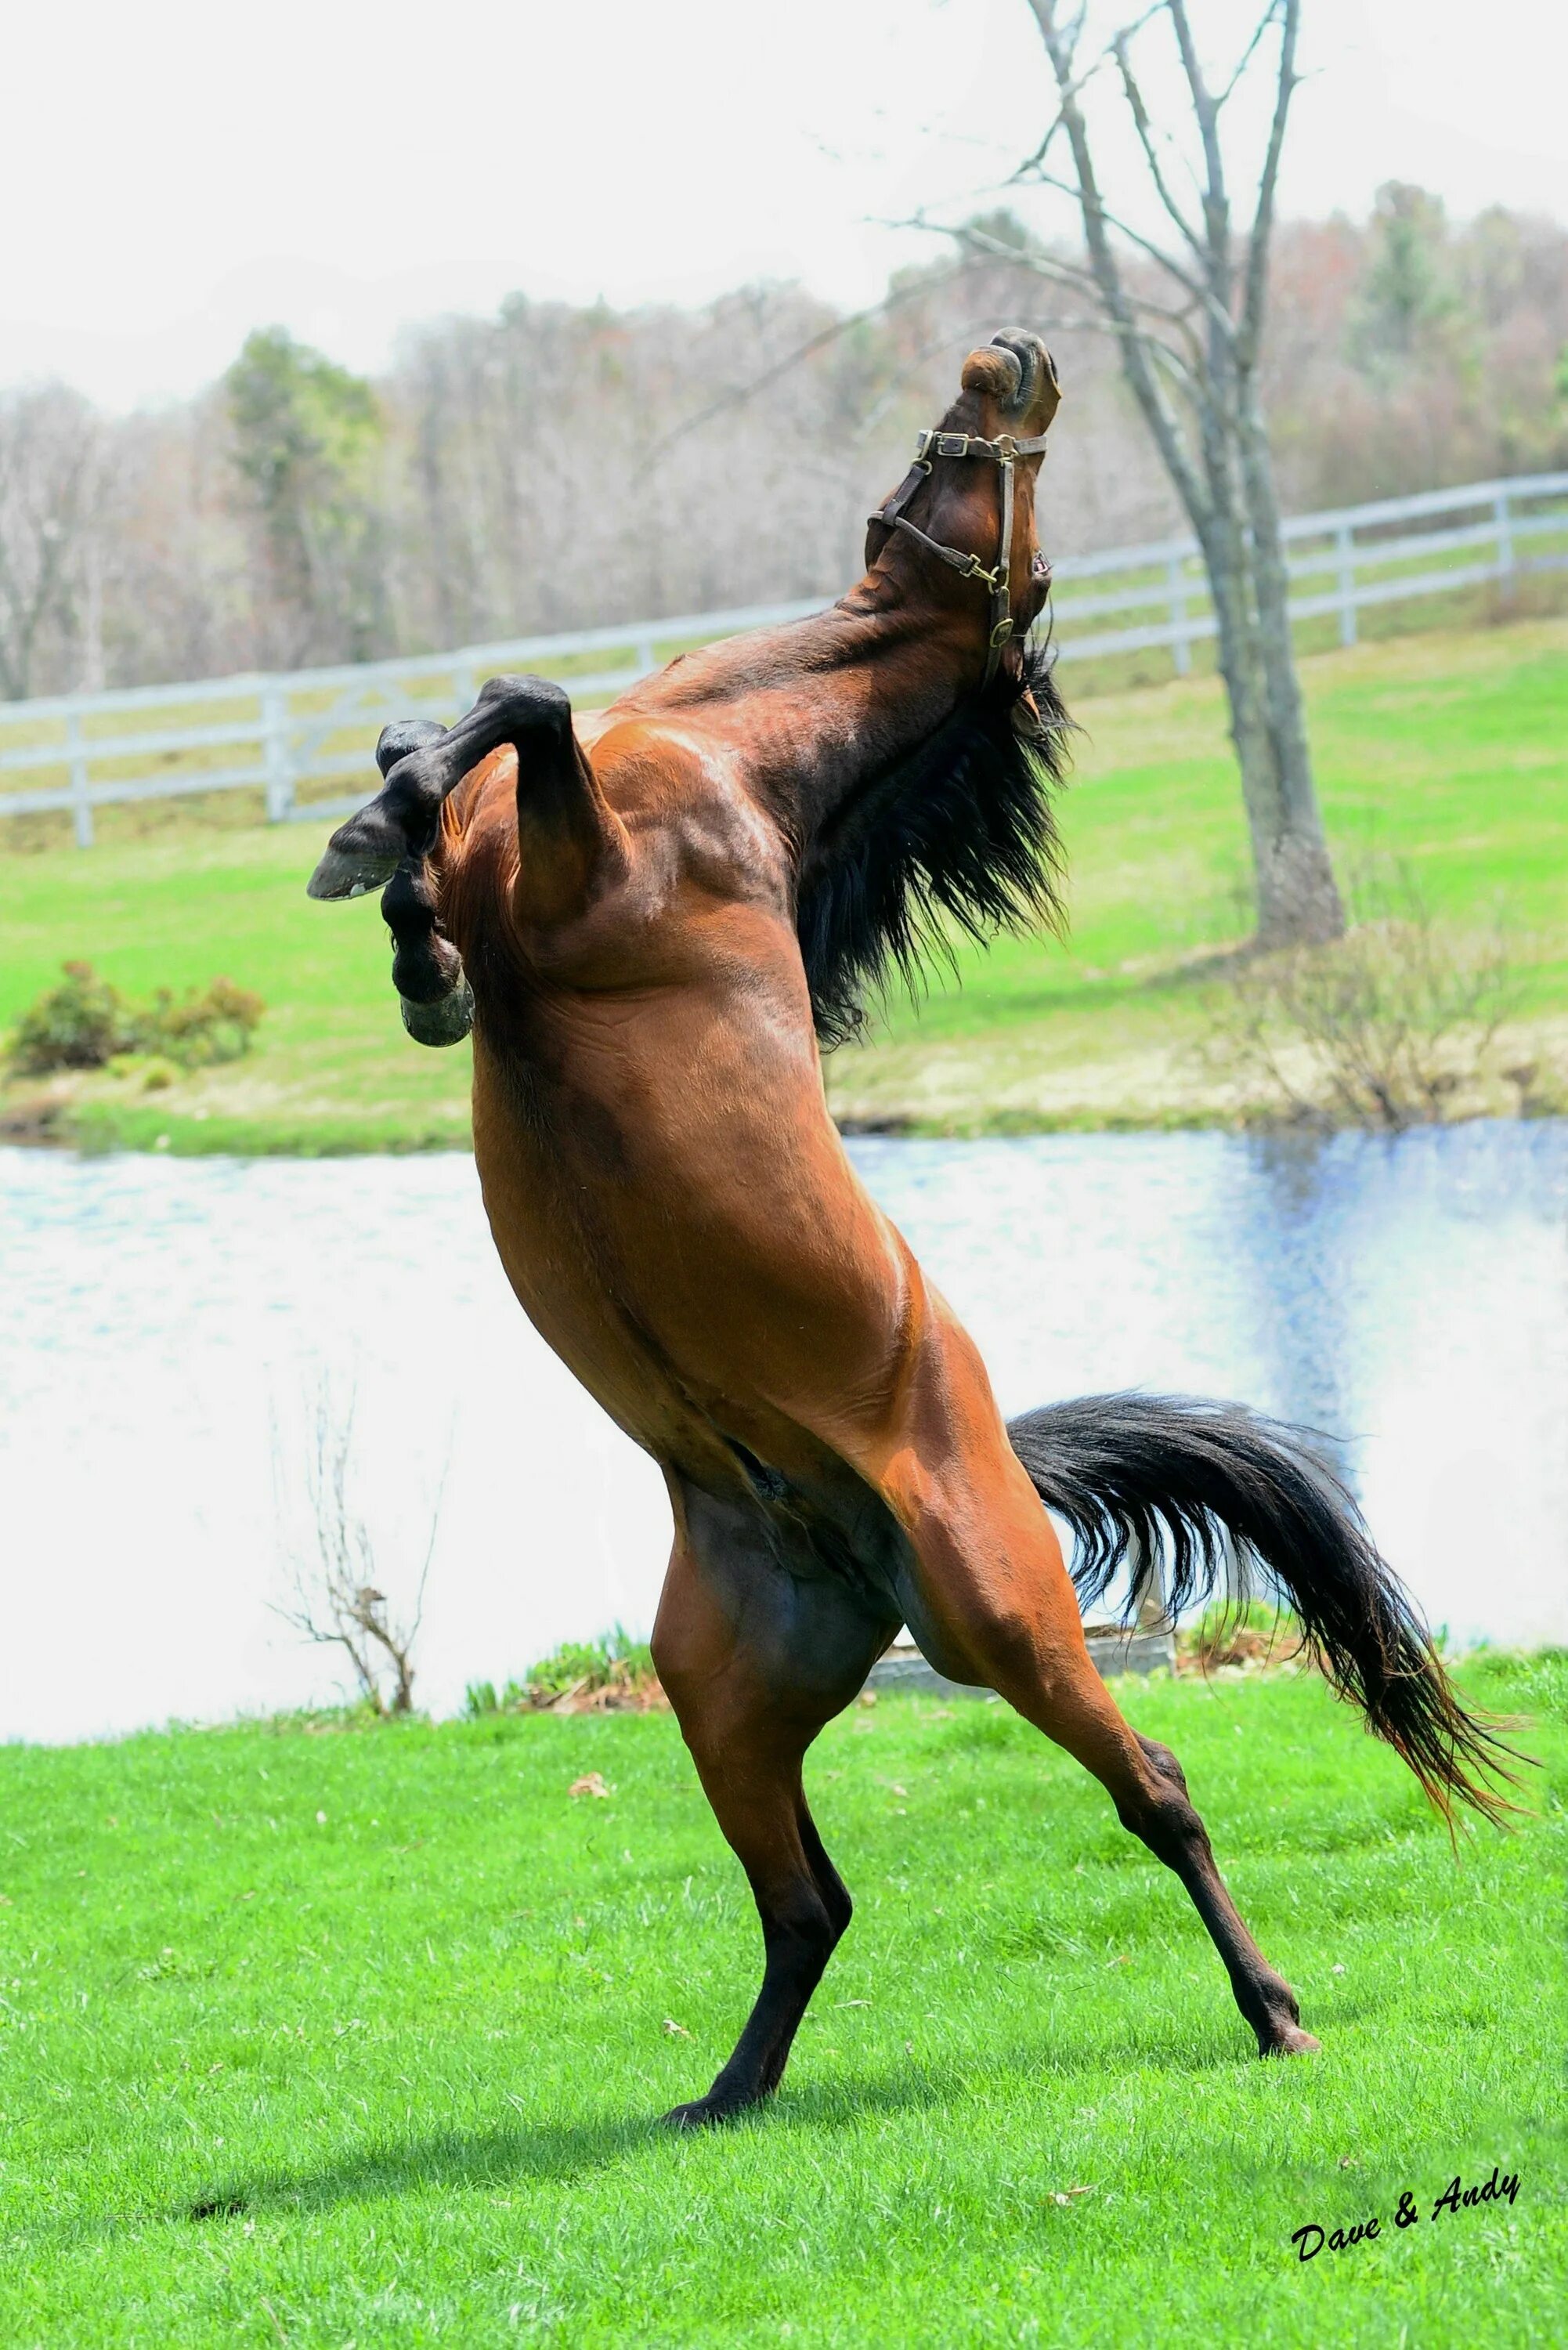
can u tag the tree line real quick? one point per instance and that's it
(555, 467)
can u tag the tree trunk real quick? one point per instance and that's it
(1300, 904)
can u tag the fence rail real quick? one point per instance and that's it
(298, 732)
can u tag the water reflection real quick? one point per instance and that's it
(164, 1325)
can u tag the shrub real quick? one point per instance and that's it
(79, 1024)
(1382, 1028)
(195, 1029)
(608, 1673)
(1248, 1633)
(85, 1022)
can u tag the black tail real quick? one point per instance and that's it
(1136, 1476)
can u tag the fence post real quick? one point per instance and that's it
(1505, 571)
(81, 806)
(275, 750)
(465, 686)
(1345, 542)
(1180, 643)
(646, 659)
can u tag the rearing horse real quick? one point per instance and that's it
(649, 920)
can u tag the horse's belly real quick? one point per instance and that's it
(724, 1273)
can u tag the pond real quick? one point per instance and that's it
(171, 1333)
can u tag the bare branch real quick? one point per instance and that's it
(1216, 201)
(739, 393)
(1145, 129)
(336, 1601)
(1077, 84)
(1134, 237)
(1051, 265)
(1261, 26)
(1263, 217)
(1112, 291)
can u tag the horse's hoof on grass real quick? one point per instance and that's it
(701, 2113)
(1291, 2040)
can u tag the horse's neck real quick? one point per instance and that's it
(816, 709)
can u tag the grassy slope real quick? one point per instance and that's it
(412, 2050)
(1449, 749)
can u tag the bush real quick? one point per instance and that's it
(1247, 1633)
(197, 1029)
(580, 1676)
(1382, 1028)
(85, 1022)
(79, 1024)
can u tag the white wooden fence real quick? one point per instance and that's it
(293, 735)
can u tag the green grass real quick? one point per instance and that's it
(392, 2011)
(1449, 751)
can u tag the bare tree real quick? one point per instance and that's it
(51, 491)
(1186, 308)
(336, 1601)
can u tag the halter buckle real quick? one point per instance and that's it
(1000, 633)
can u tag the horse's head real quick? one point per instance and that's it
(957, 502)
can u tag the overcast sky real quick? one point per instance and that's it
(174, 173)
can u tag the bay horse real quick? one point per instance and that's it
(652, 919)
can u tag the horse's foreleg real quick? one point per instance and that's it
(535, 717)
(995, 1590)
(427, 969)
(748, 1729)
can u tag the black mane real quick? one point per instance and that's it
(960, 831)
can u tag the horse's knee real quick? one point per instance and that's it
(530, 704)
(403, 735)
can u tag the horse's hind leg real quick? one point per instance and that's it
(997, 1595)
(748, 1722)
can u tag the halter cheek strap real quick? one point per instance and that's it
(1005, 450)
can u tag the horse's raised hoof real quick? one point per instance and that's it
(1290, 2040)
(341, 876)
(362, 855)
(447, 1021)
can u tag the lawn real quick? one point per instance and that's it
(332, 2037)
(1446, 750)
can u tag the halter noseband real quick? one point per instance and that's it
(1005, 451)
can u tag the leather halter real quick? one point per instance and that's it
(1005, 451)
